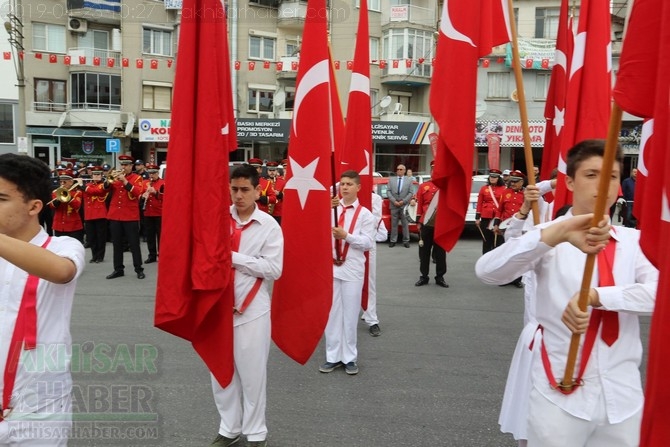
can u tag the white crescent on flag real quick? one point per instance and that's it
(578, 53)
(448, 29)
(562, 165)
(226, 129)
(366, 169)
(647, 132)
(315, 76)
(561, 59)
(360, 83)
(665, 208)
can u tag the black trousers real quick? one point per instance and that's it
(129, 229)
(491, 241)
(438, 254)
(96, 236)
(152, 230)
(78, 235)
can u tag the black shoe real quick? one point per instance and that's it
(93, 261)
(141, 275)
(421, 282)
(405, 244)
(115, 274)
(392, 244)
(441, 282)
(150, 260)
(375, 331)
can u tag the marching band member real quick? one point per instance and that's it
(95, 214)
(153, 210)
(278, 184)
(488, 202)
(511, 203)
(65, 204)
(268, 196)
(125, 187)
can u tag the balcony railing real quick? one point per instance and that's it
(91, 53)
(409, 14)
(94, 106)
(48, 106)
(424, 69)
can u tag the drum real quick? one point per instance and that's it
(410, 213)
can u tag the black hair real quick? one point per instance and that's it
(499, 181)
(246, 171)
(31, 176)
(583, 151)
(352, 175)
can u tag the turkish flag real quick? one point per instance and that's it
(336, 64)
(125, 62)
(382, 64)
(38, 55)
(486, 63)
(170, 62)
(279, 65)
(6, 55)
(294, 66)
(356, 152)
(396, 63)
(529, 63)
(53, 59)
(139, 63)
(154, 64)
(110, 62)
(545, 63)
(643, 71)
(194, 297)
(408, 63)
(96, 61)
(554, 110)
(588, 100)
(82, 60)
(644, 159)
(237, 65)
(350, 65)
(266, 64)
(67, 60)
(251, 65)
(300, 306)
(468, 31)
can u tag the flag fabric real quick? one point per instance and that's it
(468, 30)
(554, 110)
(194, 297)
(301, 302)
(644, 158)
(588, 99)
(356, 153)
(105, 5)
(642, 89)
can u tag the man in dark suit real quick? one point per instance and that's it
(399, 193)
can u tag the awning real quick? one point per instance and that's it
(67, 132)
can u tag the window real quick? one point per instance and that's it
(95, 91)
(374, 48)
(262, 48)
(156, 97)
(546, 22)
(292, 48)
(47, 37)
(157, 41)
(260, 101)
(373, 5)
(6, 123)
(409, 43)
(50, 95)
(374, 103)
(542, 85)
(270, 3)
(498, 85)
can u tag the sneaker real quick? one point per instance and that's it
(223, 441)
(351, 368)
(329, 367)
(263, 443)
(375, 331)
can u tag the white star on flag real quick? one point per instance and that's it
(559, 119)
(303, 180)
(665, 207)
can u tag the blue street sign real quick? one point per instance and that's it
(113, 145)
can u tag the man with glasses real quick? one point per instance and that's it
(399, 193)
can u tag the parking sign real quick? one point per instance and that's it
(113, 145)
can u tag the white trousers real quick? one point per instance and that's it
(39, 429)
(242, 403)
(342, 321)
(550, 426)
(370, 315)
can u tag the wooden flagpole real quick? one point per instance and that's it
(523, 111)
(601, 202)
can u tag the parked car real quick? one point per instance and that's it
(380, 187)
(477, 182)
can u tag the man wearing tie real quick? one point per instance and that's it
(399, 193)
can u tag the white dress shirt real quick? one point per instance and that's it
(261, 255)
(360, 240)
(43, 375)
(558, 270)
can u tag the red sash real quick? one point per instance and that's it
(338, 242)
(608, 319)
(23, 337)
(235, 245)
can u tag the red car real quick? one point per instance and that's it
(380, 186)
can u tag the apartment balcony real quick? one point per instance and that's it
(416, 75)
(73, 115)
(90, 56)
(289, 68)
(291, 14)
(405, 14)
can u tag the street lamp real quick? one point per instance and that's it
(14, 28)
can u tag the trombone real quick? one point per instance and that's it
(63, 194)
(113, 176)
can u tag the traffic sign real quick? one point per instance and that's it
(113, 145)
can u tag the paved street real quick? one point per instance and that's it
(434, 377)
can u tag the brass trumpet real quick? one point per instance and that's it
(113, 175)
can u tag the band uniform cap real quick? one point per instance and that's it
(90, 166)
(516, 175)
(495, 171)
(67, 174)
(125, 159)
(152, 168)
(272, 165)
(96, 170)
(284, 162)
(432, 163)
(506, 172)
(257, 162)
(139, 162)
